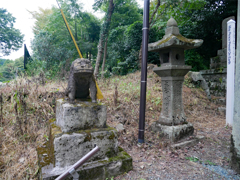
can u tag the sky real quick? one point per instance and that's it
(24, 21)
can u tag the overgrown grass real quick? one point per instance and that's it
(199, 110)
(26, 108)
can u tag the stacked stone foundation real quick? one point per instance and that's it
(69, 142)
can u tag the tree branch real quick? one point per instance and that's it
(154, 12)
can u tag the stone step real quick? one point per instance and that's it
(101, 169)
(188, 143)
(64, 149)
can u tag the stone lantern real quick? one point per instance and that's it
(172, 121)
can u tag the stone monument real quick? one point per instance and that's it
(81, 80)
(216, 76)
(172, 121)
(80, 124)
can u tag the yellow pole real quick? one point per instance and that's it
(69, 30)
(99, 93)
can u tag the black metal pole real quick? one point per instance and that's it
(143, 72)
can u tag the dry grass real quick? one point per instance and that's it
(27, 107)
(199, 110)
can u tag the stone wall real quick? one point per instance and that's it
(216, 80)
(216, 76)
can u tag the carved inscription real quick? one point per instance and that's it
(166, 97)
(177, 112)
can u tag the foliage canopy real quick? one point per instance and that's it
(10, 38)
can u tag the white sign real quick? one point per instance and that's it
(230, 70)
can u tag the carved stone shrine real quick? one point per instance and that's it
(80, 124)
(172, 121)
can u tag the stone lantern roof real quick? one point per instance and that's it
(173, 38)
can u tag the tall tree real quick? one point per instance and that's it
(125, 13)
(41, 17)
(10, 38)
(104, 32)
(104, 59)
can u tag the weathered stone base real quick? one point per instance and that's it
(173, 133)
(65, 149)
(99, 170)
(235, 159)
(78, 127)
(80, 115)
(68, 148)
(62, 150)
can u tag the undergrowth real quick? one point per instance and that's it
(26, 108)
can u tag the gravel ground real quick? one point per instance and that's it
(180, 170)
(224, 173)
(209, 159)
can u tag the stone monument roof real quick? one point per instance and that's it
(172, 22)
(173, 38)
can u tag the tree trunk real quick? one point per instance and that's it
(89, 57)
(151, 22)
(104, 58)
(103, 35)
(76, 36)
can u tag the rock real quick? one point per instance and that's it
(222, 101)
(191, 142)
(197, 76)
(21, 160)
(222, 109)
(120, 127)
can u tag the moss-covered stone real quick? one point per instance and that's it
(46, 151)
(102, 169)
(110, 153)
(112, 136)
(88, 137)
(180, 37)
(100, 137)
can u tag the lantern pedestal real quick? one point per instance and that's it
(173, 133)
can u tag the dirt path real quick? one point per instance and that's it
(209, 159)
